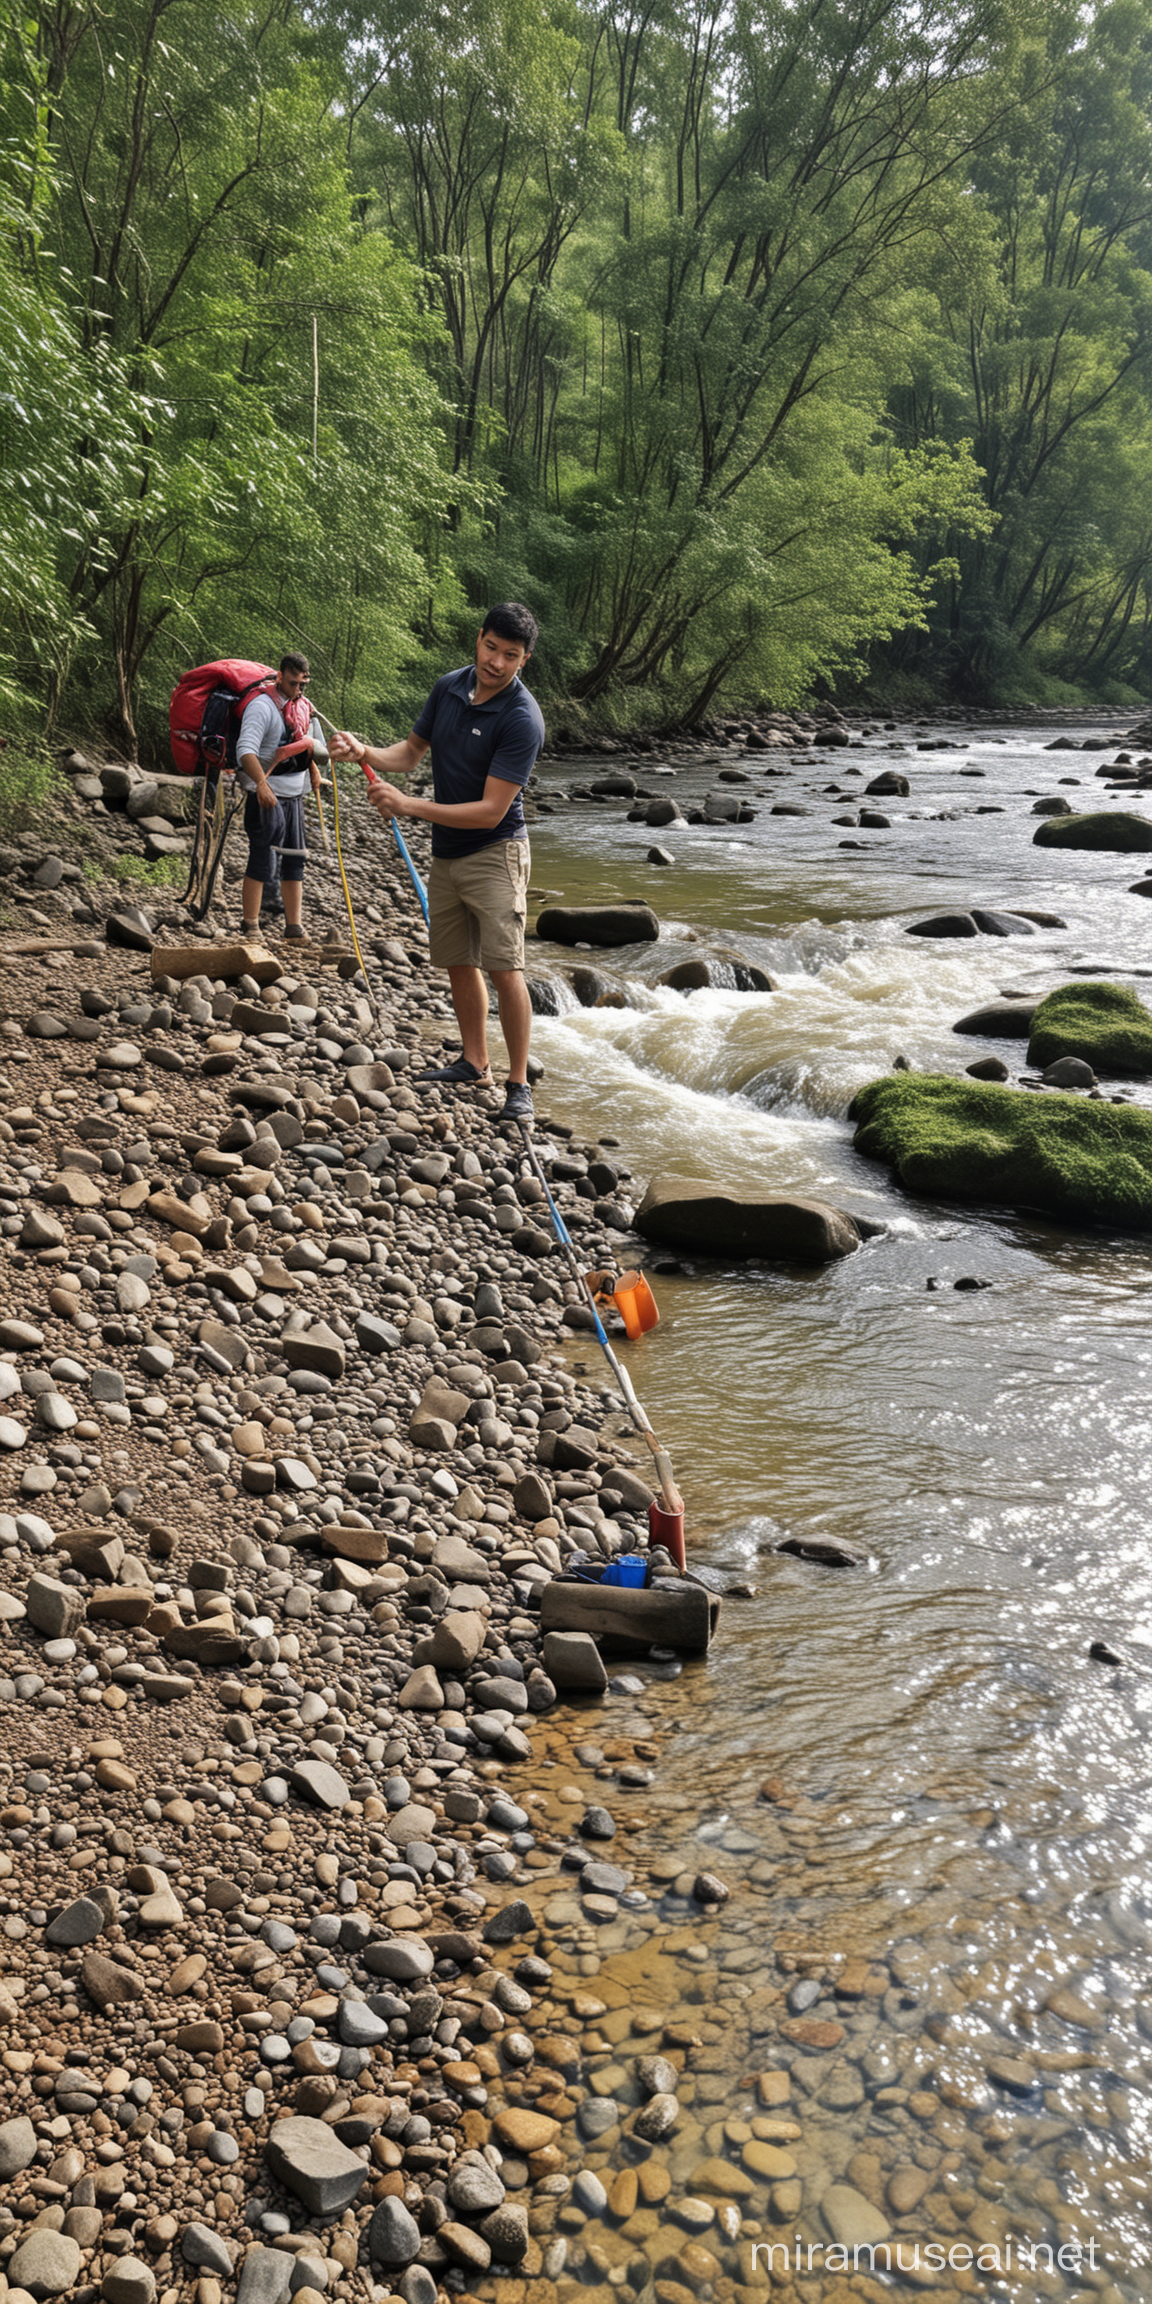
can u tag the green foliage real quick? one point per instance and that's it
(193, 173)
(29, 780)
(1118, 831)
(137, 871)
(1104, 1023)
(965, 1140)
(1041, 354)
(757, 346)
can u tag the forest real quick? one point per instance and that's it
(767, 348)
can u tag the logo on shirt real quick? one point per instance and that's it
(477, 731)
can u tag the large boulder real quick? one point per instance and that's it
(600, 924)
(962, 1139)
(999, 1020)
(682, 1212)
(720, 972)
(1002, 923)
(944, 924)
(1117, 830)
(1104, 1024)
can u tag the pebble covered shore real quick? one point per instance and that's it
(290, 1440)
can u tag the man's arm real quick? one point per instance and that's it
(384, 759)
(467, 816)
(252, 727)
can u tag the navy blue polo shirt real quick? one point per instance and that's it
(471, 742)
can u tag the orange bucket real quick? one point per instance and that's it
(635, 1303)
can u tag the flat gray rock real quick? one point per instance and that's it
(266, 2277)
(79, 1923)
(393, 2236)
(320, 1782)
(309, 2160)
(200, 2246)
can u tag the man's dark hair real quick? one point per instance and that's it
(296, 663)
(513, 621)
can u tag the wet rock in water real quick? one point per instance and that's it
(944, 924)
(1069, 1072)
(1117, 832)
(999, 1020)
(657, 2118)
(597, 1824)
(511, 1921)
(708, 1888)
(525, 2131)
(1102, 1652)
(967, 1140)
(851, 2219)
(987, 1068)
(601, 924)
(890, 781)
(683, 1213)
(590, 986)
(722, 972)
(1053, 806)
(831, 1551)
(1105, 1025)
(1002, 923)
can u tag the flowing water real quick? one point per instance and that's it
(914, 1765)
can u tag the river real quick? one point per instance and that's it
(915, 1766)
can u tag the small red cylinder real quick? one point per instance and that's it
(667, 1528)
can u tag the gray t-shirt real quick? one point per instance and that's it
(262, 732)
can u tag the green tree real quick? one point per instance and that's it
(205, 217)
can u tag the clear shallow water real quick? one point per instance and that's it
(967, 1797)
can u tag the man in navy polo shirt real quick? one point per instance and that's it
(485, 731)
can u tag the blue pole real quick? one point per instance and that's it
(413, 874)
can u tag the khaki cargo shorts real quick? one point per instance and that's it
(478, 906)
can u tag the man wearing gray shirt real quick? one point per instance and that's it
(276, 750)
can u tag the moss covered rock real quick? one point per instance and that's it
(965, 1140)
(1115, 829)
(1105, 1024)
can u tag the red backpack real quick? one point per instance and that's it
(207, 707)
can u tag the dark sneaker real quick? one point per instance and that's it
(518, 1103)
(459, 1074)
(294, 933)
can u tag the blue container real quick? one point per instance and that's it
(630, 1569)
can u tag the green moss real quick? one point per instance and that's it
(1115, 829)
(1104, 1023)
(163, 872)
(967, 1140)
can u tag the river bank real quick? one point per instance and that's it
(290, 1443)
